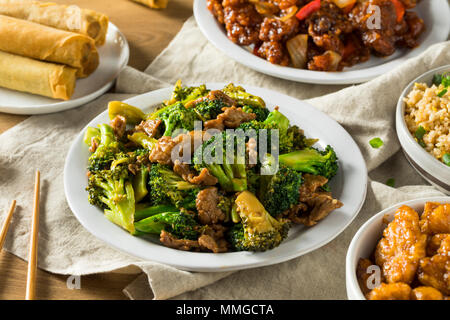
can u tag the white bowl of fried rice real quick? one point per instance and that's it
(423, 127)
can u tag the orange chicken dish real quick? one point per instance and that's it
(413, 257)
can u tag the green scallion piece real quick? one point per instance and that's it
(376, 143)
(446, 159)
(420, 132)
(391, 182)
(441, 94)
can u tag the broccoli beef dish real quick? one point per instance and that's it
(320, 35)
(208, 170)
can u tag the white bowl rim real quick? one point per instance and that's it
(350, 269)
(438, 170)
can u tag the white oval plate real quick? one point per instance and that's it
(349, 186)
(114, 55)
(435, 13)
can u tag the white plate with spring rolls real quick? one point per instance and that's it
(349, 185)
(435, 14)
(27, 73)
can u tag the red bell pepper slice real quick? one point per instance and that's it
(399, 9)
(308, 9)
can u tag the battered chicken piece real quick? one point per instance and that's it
(362, 274)
(426, 293)
(435, 271)
(435, 242)
(435, 218)
(403, 245)
(391, 291)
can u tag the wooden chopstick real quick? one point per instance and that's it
(5, 226)
(32, 257)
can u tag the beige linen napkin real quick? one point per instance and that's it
(366, 111)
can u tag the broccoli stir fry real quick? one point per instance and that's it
(208, 170)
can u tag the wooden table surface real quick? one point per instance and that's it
(148, 32)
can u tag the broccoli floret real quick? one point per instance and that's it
(209, 109)
(253, 179)
(310, 160)
(261, 113)
(296, 140)
(258, 230)
(280, 191)
(274, 121)
(186, 94)
(181, 225)
(175, 116)
(168, 187)
(106, 151)
(243, 98)
(229, 169)
(225, 204)
(113, 191)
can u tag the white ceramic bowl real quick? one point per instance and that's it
(367, 237)
(433, 170)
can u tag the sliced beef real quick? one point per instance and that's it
(231, 118)
(94, 145)
(213, 239)
(171, 241)
(162, 151)
(206, 203)
(150, 127)
(119, 125)
(314, 204)
(204, 178)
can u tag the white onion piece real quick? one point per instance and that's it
(335, 58)
(343, 3)
(297, 48)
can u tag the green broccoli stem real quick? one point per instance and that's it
(153, 224)
(122, 207)
(140, 183)
(132, 114)
(146, 212)
(91, 133)
(106, 134)
(235, 217)
(143, 140)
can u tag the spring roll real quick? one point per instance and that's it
(154, 4)
(43, 78)
(69, 18)
(40, 42)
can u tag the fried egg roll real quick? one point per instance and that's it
(69, 18)
(43, 78)
(40, 42)
(154, 4)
